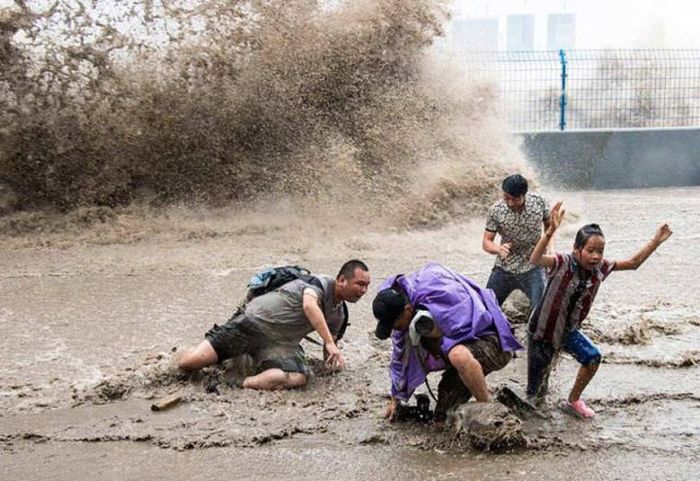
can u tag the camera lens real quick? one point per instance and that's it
(424, 325)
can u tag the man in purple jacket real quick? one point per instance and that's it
(439, 319)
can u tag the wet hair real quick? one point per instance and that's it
(348, 269)
(585, 233)
(515, 185)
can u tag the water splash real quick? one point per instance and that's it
(338, 107)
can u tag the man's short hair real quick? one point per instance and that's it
(348, 269)
(515, 185)
(387, 307)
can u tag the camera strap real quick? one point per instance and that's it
(419, 354)
(430, 390)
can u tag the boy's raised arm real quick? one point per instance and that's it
(663, 232)
(538, 256)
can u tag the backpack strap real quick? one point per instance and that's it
(313, 280)
(346, 321)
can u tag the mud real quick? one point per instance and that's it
(91, 328)
(154, 155)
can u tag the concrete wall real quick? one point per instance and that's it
(616, 159)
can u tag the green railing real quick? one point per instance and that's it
(592, 89)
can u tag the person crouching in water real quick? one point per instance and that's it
(271, 327)
(468, 336)
(573, 282)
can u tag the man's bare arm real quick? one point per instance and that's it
(489, 245)
(318, 322)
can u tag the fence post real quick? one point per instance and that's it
(562, 98)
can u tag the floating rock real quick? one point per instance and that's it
(487, 426)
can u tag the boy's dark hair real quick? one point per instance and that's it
(515, 185)
(585, 233)
(348, 269)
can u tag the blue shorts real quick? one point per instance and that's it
(540, 355)
(582, 348)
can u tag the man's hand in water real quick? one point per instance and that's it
(663, 233)
(334, 359)
(504, 249)
(390, 411)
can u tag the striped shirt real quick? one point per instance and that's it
(567, 299)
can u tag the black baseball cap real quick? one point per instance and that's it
(387, 307)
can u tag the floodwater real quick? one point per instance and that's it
(90, 322)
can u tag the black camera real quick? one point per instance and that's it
(423, 324)
(420, 412)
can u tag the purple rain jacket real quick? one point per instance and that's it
(462, 310)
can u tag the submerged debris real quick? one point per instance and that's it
(486, 426)
(166, 403)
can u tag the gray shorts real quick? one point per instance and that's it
(242, 336)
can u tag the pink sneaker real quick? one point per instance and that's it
(580, 408)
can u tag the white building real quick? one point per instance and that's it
(581, 24)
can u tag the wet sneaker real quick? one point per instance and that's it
(579, 407)
(538, 401)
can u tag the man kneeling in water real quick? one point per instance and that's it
(467, 336)
(272, 325)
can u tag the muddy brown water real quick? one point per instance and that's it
(89, 328)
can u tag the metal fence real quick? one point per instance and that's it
(593, 89)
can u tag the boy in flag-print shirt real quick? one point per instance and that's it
(572, 283)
